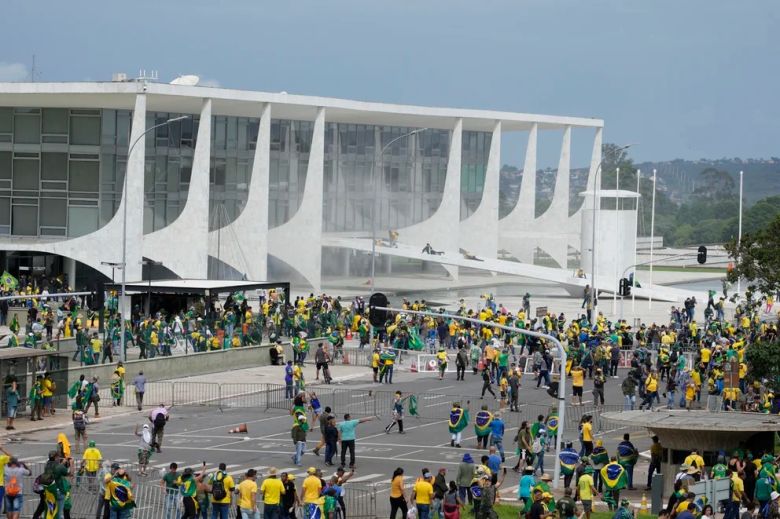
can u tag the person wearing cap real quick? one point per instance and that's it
(586, 489)
(310, 491)
(187, 484)
(298, 433)
(90, 461)
(14, 475)
(422, 495)
(290, 497)
(537, 510)
(624, 511)
(247, 495)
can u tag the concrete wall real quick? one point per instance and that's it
(166, 368)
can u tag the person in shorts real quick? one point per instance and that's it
(12, 402)
(15, 472)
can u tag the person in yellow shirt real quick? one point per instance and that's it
(651, 390)
(577, 382)
(311, 490)
(220, 504)
(375, 364)
(694, 459)
(91, 460)
(48, 386)
(690, 394)
(247, 495)
(97, 347)
(587, 435)
(422, 494)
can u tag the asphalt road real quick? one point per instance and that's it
(200, 433)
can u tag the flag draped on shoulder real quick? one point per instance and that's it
(569, 460)
(459, 419)
(614, 476)
(482, 422)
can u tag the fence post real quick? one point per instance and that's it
(219, 396)
(173, 393)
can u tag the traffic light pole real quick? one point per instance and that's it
(651, 262)
(561, 383)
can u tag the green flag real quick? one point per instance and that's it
(413, 405)
(415, 343)
(8, 280)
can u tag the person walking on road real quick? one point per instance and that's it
(140, 388)
(298, 434)
(398, 413)
(486, 385)
(347, 435)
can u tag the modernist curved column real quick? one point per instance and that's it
(441, 229)
(479, 232)
(105, 244)
(298, 242)
(554, 221)
(575, 220)
(245, 243)
(182, 246)
(515, 228)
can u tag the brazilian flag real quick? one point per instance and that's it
(599, 456)
(415, 343)
(627, 454)
(552, 423)
(482, 423)
(614, 476)
(121, 494)
(569, 460)
(8, 281)
(459, 419)
(701, 502)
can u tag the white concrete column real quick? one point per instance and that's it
(134, 198)
(595, 163)
(182, 246)
(69, 265)
(479, 232)
(441, 229)
(516, 227)
(244, 242)
(298, 241)
(556, 217)
(576, 220)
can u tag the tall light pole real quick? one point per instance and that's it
(376, 202)
(739, 231)
(593, 290)
(652, 244)
(122, 316)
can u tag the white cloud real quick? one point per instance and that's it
(13, 72)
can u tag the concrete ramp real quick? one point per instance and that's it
(563, 277)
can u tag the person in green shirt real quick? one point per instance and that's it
(503, 363)
(187, 484)
(169, 484)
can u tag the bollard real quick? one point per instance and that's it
(657, 493)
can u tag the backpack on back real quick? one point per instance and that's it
(159, 421)
(12, 486)
(218, 486)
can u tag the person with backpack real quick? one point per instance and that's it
(15, 473)
(52, 485)
(221, 486)
(80, 429)
(159, 417)
(121, 492)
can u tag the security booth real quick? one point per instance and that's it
(681, 431)
(22, 365)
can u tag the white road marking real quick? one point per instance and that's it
(365, 478)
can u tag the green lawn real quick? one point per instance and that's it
(506, 511)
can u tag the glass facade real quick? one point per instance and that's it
(60, 169)
(473, 165)
(409, 184)
(169, 152)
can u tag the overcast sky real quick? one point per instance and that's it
(688, 79)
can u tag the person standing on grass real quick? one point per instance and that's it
(347, 436)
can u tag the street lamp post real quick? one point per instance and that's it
(376, 201)
(122, 352)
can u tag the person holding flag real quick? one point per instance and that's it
(398, 412)
(627, 457)
(459, 420)
(482, 422)
(598, 458)
(387, 361)
(569, 459)
(615, 479)
(552, 428)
